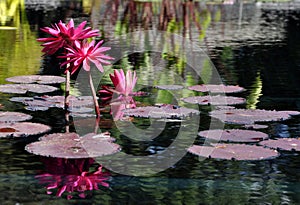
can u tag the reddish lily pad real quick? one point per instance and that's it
(234, 152)
(234, 135)
(217, 88)
(40, 79)
(169, 87)
(72, 146)
(161, 111)
(244, 116)
(214, 100)
(22, 129)
(6, 116)
(24, 88)
(289, 144)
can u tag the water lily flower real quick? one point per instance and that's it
(65, 35)
(84, 53)
(123, 84)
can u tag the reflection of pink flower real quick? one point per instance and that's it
(84, 53)
(74, 179)
(123, 84)
(63, 35)
(121, 104)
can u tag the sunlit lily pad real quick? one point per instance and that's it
(77, 104)
(6, 116)
(234, 135)
(244, 116)
(71, 145)
(234, 152)
(24, 88)
(217, 88)
(169, 87)
(214, 100)
(160, 111)
(22, 129)
(40, 79)
(289, 144)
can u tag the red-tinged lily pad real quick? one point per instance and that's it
(244, 116)
(234, 152)
(256, 126)
(24, 88)
(217, 88)
(40, 79)
(169, 87)
(289, 144)
(234, 135)
(72, 146)
(214, 100)
(161, 111)
(22, 129)
(6, 116)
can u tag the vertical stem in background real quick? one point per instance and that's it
(67, 96)
(97, 109)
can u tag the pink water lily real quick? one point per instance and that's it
(85, 53)
(65, 35)
(123, 84)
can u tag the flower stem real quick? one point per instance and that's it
(67, 99)
(97, 109)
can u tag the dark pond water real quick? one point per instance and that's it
(254, 45)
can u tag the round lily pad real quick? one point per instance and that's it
(214, 100)
(40, 79)
(289, 144)
(22, 129)
(71, 145)
(244, 116)
(44, 102)
(217, 88)
(234, 152)
(6, 116)
(234, 135)
(160, 111)
(24, 88)
(169, 87)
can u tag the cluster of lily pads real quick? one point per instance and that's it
(78, 53)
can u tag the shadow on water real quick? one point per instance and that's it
(251, 45)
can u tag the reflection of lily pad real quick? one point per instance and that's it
(22, 129)
(217, 88)
(169, 87)
(71, 145)
(234, 152)
(234, 135)
(13, 116)
(160, 111)
(40, 79)
(214, 100)
(256, 126)
(77, 104)
(288, 144)
(24, 88)
(243, 116)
